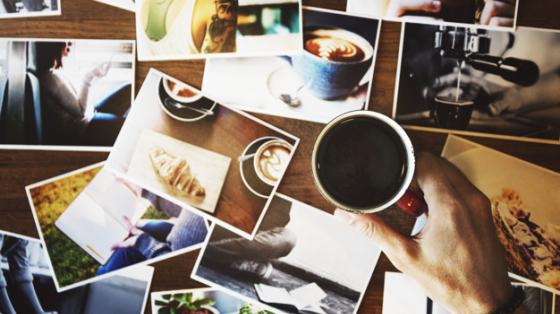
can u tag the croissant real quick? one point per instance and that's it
(176, 173)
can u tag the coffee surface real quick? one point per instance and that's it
(273, 160)
(181, 91)
(361, 162)
(333, 48)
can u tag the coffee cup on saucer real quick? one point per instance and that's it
(334, 61)
(270, 160)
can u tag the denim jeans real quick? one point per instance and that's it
(15, 250)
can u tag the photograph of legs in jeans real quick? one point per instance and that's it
(296, 246)
(15, 251)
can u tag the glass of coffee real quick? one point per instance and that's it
(453, 113)
(364, 162)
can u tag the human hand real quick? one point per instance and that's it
(133, 234)
(457, 258)
(498, 13)
(101, 70)
(399, 8)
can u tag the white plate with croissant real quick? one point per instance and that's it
(188, 173)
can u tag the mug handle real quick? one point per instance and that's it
(412, 203)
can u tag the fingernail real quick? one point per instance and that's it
(436, 4)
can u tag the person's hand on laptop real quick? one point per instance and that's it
(457, 257)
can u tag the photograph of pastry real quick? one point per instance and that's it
(27, 286)
(201, 301)
(64, 94)
(292, 265)
(190, 29)
(28, 8)
(218, 161)
(397, 285)
(128, 5)
(478, 82)
(94, 223)
(481, 13)
(525, 208)
(331, 77)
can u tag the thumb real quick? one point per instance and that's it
(398, 248)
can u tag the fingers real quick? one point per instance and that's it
(498, 11)
(404, 6)
(401, 250)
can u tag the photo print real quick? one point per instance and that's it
(28, 8)
(26, 279)
(496, 14)
(94, 223)
(128, 5)
(397, 285)
(493, 83)
(190, 29)
(525, 209)
(67, 94)
(219, 161)
(202, 301)
(292, 265)
(332, 76)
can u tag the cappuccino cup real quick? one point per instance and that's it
(181, 93)
(364, 162)
(334, 61)
(271, 159)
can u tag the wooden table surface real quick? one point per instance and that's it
(88, 19)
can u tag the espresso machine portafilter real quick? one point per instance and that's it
(472, 47)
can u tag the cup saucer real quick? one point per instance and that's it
(186, 112)
(248, 174)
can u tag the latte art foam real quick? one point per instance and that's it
(334, 49)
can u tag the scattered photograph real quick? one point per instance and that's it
(27, 286)
(219, 161)
(68, 94)
(478, 13)
(128, 5)
(28, 8)
(190, 29)
(292, 265)
(94, 222)
(397, 285)
(201, 301)
(331, 77)
(478, 82)
(525, 208)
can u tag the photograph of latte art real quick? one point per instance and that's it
(218, 161)
(525, 208)
(331, 76)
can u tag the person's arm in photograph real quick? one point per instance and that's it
(498, 13)
(63, 95)
(398, 8)
(545, 92)
(457, 258)
(215, 25)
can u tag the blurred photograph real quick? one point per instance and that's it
(201, 301)
(477, 82)
(188, 148)
(128, 5)
(525, 202)
(64, 94)
(27, 286)
(28, 8)
(292, 265)
(397, 285)
(331, 77)
(481, 13)
(94, 223)
(190, 29)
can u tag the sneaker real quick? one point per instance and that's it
(256, 270)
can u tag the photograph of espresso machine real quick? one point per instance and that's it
(456, 78)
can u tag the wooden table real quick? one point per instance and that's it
(88, 19)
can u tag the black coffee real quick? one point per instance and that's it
(361, 162)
